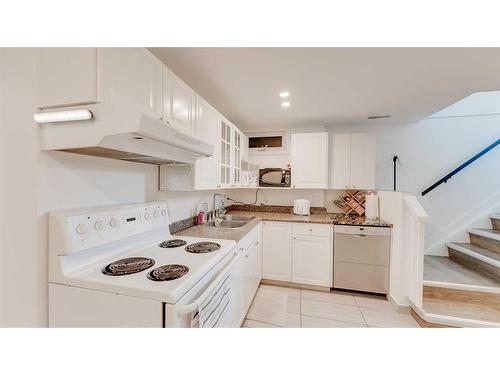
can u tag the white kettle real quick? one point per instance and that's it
(301, 207)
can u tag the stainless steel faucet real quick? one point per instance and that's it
(214, 211)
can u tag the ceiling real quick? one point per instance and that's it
(332, 86)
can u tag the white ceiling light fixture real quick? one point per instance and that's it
(284, 94)
(63, 116)
(285, 104)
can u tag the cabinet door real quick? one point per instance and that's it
(312, 260)
(238, 310)
(277, 251)
(131, 77)
(225, 166)
(363, 161)
(309, 154)
(244, 147)
(236, 147)
(207, 128)
(66, 76)
(340, 166)
(178, 102)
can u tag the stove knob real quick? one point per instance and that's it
(147, 216)
(163, 212)
(99, 225)
(155, 214)
(113, 222)
(81, 228)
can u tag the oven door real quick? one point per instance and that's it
(208, 294)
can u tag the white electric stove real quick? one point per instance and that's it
(120, 267)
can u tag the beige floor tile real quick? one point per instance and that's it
(333, 311)
(387, 318)
(274, 289)
(313, 322)
(272, 306)
(255, 324)
(375, 302)
(293, 305)
(335, 297)
(292, 321)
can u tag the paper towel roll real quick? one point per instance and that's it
(371, 206)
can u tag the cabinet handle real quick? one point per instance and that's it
(294, 238)
(310, 229)
(246, 256)
(257, 243)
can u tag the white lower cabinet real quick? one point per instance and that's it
(312, 260)
(298, 253)
(277, 251)
(246, 274)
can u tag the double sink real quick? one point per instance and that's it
(230, 221)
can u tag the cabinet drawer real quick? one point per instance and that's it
(302, 229)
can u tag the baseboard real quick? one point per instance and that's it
(294, 285)
(398, 306)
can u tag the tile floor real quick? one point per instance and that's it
(275, 306)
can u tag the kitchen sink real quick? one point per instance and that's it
(231, 221)
(227, 224)
(245, 219)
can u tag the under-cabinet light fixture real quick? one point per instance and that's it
(63, 116)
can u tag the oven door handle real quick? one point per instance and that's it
(194, 306)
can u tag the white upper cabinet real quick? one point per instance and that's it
(353, 161)
(178, 102)
(341, 161)
(66, 76)
(363, 161)
(131, 77)
(244, 147)
(207, 128)
(237, 156)
(225, 156)
(309, 154)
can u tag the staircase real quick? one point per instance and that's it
(463, 290)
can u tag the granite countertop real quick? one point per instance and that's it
(342, 219)
(273, 213)
(208, 231)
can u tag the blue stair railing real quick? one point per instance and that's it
(462, 166)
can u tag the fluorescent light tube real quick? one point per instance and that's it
(63, 116)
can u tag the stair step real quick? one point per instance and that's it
(486, 238)
(475, 257)
(463, 310)
(495, 221)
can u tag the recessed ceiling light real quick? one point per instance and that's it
(378, 117)
(285, 104)
(284, 94)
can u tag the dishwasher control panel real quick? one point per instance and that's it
(360, 229)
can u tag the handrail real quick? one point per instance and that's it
(462, 166)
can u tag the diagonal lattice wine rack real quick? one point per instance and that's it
(352, 202)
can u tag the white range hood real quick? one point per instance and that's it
(125, 134)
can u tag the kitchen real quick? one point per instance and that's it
(165, 123)
(172, 182)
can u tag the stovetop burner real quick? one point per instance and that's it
(168, 272)
(128, 266)
(202, 247)
(172, 243)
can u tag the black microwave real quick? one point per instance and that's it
(275, 177)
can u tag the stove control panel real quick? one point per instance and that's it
(79, 230)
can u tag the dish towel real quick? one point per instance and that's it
(213, 310)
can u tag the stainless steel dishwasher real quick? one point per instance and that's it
(361, 258)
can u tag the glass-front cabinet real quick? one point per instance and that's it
(225, 154)
(237, 158)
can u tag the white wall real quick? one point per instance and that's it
(21, 263)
